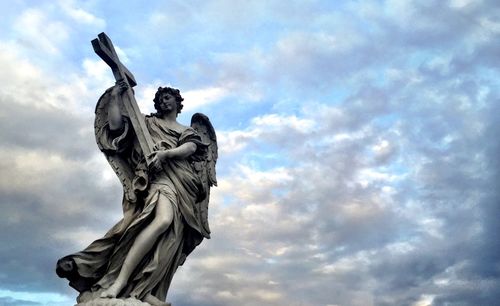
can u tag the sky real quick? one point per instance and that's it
(358, 158)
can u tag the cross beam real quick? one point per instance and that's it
(104, 48)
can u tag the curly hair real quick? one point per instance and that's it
(171, 91)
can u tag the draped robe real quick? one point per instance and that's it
(98, 265)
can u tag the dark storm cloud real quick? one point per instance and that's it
(478, 278)
(29, 127)
(51, 178)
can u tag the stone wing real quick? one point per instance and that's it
(205, 168)
(111, 149)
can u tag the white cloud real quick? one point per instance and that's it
(97, 71)
(46, 90)
(122, 55)
(16, 73)
(194, 99)
(462, 4)
(38, 31)
(277, 121)
(263, 128)
(233, 141)
(355, 262)
(298, 46)
(425, 300)
(80, 15)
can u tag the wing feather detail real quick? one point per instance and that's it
(205, 168)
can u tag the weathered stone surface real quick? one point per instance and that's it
(166, 170)
(114, 302)
(89, 298)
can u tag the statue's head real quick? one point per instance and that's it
(168, 91)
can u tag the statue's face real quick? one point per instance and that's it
(168, 103)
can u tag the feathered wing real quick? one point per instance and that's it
(205, 168)
(111, 150)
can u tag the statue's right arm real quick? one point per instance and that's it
(114, 115)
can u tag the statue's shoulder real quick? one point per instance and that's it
(179, 127)
(185, 128)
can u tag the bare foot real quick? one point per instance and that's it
(153, 300)
(112, 291)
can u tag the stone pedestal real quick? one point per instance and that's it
(113, 302)
(94, 299)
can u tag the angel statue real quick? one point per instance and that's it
(165, 201)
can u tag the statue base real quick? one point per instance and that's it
(114, 302)
(93, 299)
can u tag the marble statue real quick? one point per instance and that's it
(166, 170)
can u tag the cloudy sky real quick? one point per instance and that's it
(359, 154)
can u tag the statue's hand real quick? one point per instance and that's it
(154, 162)
(120, 87)
(157, 158)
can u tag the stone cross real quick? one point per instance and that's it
(104, 48)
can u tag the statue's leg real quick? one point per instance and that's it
(142, 244)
